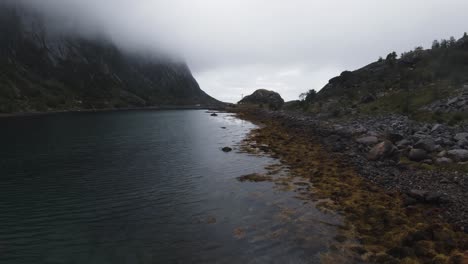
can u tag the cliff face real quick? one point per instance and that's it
(43, 71)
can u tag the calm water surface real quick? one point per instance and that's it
(145, 187)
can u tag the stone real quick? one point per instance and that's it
(214, 114)
(462, 143)
(444, 161)
(428, 144)
(404, 143)
(436, 128)
(369, 140)
(254, 177)
(461, 136)
(226, 149)
(428, 161)
(419, 195)
(458, 154)
(381, 151)
(394, 137)
(417, 154)
(443, 153)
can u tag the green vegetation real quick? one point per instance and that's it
(399, 85)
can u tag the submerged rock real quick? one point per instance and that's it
(226, 149)
(254, 177)
(214, 114)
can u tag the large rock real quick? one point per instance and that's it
(443, 161)
(404, 143)
(368, 140)
(461, 136)
(417, 154)
(458, 154)
(383, 150)
(262, 96)
(428, 144)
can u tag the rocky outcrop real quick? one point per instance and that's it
(458, 103)
(264, 97)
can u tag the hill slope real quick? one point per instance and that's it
(407, 85)
(41, 71)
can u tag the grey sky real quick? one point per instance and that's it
(236, 46)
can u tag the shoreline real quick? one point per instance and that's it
(150, 108)
(379, 211)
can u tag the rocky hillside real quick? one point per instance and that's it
(46, 71)
(407, 84)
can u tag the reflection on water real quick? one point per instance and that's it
(146, 187)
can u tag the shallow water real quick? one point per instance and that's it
(145, 187)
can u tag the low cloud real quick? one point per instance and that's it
(237, 46)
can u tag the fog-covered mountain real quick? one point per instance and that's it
(42, 70)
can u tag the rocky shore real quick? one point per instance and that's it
(426, 163)
(394, 210)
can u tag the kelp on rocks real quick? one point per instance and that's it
(378, 227)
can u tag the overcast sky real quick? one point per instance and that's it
(237, 46)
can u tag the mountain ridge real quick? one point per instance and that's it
(42, 72)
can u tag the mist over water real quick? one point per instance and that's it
(145, 187)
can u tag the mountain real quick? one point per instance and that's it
(49, 71)
(412, 84)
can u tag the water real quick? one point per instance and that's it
(145, 187)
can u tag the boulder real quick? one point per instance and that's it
(427, 196)
(226, 149)
(436, 128)
(461, 136)
(394, 137)
(428, 144)
(417, 154)
(463, 143)
(368, 98)
(368, 140)
(404, 143)
(458, 154)
(443, 161)
(383, 150)
(262, 96)
(443, 153)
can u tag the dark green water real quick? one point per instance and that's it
(144, 187)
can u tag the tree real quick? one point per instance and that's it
(435, 44)
(452, 41)
(308, 96)
(380, 59)
(444, 43)
(311, 94)
(391, 56)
